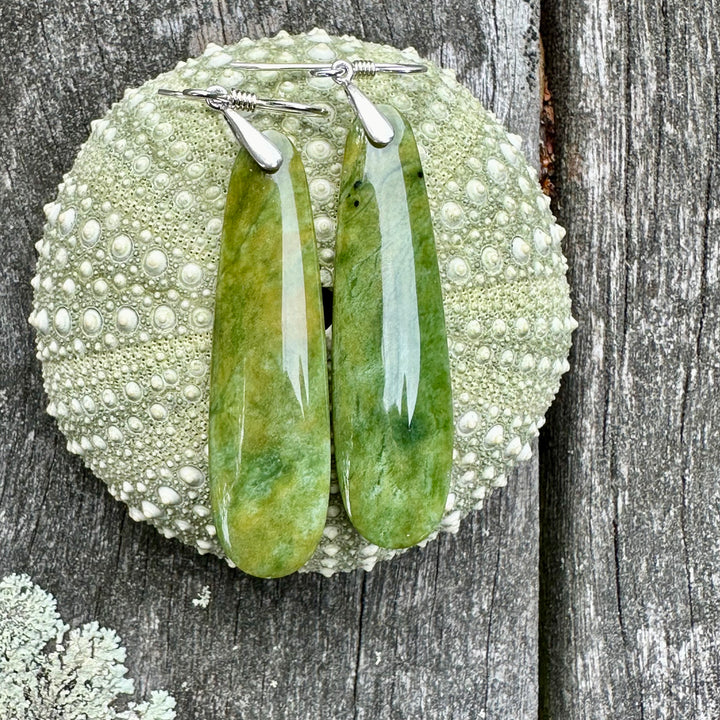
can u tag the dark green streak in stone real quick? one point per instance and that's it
(392, 406)
(269, 432)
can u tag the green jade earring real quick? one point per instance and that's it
(269, 429)
(392, 396)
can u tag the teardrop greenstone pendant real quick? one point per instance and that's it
(392, 404)
(269, 432)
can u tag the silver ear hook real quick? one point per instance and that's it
(232, 103)
(376, 126)
(360, 67)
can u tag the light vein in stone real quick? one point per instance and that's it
(401, 325)
(294, 317)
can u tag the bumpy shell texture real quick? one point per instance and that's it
(124, 289)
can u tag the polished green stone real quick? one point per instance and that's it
(269, 432)
(392, 406)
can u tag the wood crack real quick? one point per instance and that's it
(358, 654)
(490, 626)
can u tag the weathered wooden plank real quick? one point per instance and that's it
(449, 631)
(630, 599)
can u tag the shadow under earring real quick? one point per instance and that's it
(269, 429)
(392, 395)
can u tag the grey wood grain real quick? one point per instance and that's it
(446, 632)
(630, 591)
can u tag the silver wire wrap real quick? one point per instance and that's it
(243, 101)
(364, 67)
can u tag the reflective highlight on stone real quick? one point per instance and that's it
(392, 406)
(269, 431)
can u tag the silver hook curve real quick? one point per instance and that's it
(243, 101)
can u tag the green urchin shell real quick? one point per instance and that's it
(124, 291)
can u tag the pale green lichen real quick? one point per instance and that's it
(126, 271)
(47, 672)
(203, 599)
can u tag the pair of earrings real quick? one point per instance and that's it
(269, 429)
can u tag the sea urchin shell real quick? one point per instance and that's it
(124, 290)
